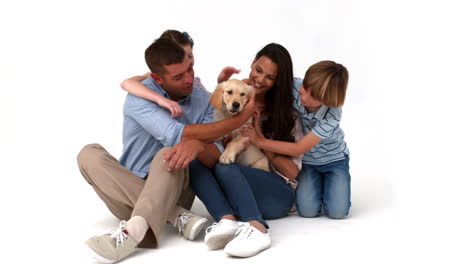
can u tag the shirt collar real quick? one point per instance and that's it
(319, 114)
(163, 92)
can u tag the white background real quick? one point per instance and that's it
(61, 63)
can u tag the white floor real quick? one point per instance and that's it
(365, 236)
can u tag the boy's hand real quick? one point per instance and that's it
(226, 73)
(173, 107)
(250, 133)
(253, 131)
(183, 153)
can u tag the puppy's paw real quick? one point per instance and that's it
(227, 158)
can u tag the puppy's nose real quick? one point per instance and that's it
(235, 105)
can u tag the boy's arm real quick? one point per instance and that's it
(134, 86)
(289, 148)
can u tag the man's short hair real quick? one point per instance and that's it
(161, 52)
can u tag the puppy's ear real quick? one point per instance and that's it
(217, 96)
(251, 91)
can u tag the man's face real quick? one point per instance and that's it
(178, 80)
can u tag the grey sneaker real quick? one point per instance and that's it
(190, 224)
(112, 247)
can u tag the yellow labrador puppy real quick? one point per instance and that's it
(228, 99)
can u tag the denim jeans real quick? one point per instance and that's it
(248, 194)
(327, 186)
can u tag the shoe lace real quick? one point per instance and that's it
(244, 231)
(119, 234)
(182, 221)
(212, 227)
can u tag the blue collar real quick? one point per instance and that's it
(161, 91)
(319, 114)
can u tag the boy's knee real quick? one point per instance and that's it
(337, 212)
(308, 207)
(308, 211)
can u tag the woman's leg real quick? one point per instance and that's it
(208, 190)
(254, 194)
(273, 195)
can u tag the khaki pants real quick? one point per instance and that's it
(159, 199)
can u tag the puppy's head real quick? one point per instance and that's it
(232, 95)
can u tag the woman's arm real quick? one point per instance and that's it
(284, 164)
(134, 86)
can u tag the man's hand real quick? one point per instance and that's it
(226, 73)
(183, 153)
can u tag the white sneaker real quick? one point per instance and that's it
(248, 242)
(219, 234)
(190, 224)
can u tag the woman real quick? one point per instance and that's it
(240, 198)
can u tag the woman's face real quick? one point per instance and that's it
(263, 74)
(189, 52)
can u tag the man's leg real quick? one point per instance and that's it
(162, 192)
(114, 184)
(119, 188)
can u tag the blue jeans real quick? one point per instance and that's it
(248, 194)
(327, 186)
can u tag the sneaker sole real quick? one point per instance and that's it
(218, 242)
(246, 254)
(196, 228)
(96, 256)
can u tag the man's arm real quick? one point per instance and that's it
(210, 156)
(183, 153)
(209, 132)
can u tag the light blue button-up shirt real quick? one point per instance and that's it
(324, 123)
(148, 127)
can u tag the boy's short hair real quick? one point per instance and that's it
(161, 52)
(327, 81)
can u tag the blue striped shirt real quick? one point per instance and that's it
(324, 123)
(148, 127)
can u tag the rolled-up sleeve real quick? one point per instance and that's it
(155, 120)
(208, 118)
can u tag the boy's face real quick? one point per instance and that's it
(308, 101)
(178, 80)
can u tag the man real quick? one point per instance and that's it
(149, 186)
